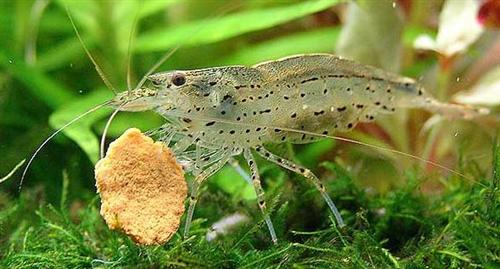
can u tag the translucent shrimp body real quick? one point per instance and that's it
(226, 111)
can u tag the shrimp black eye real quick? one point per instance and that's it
(178, 79)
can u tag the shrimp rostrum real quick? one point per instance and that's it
(227, 111)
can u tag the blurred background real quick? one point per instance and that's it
(399, 211)
(46, 79)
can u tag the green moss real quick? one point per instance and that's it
(403, 228)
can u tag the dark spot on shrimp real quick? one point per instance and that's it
(340, 109)
(308, 80)
(210, 123)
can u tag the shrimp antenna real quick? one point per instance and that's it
(167, 55)
(108, 123)
(162, 60)
(129, 48)
(97, 67)
(53, 135)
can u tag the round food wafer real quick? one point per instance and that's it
(142, 188)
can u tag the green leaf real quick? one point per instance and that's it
(151, 7)
(143, 121)
(62, 53)
(372, 34)
(81, 131)
(44, 88)
(208, 31)
(322, 40)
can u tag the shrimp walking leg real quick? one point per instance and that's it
(236, 165)
(183, 144)
(259, 191)
(193, 197)
(305, 173)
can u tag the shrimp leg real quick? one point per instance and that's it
(260, 193)
(305, 173)
(193, 197)
(236, 165)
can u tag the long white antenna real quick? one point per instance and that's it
(103, 137)
(129, 48)
(97, 67)
(53, 135)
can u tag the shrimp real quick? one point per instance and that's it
(232, 110)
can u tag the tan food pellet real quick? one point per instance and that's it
(142, 188)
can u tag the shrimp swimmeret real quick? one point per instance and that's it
(232, 110)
